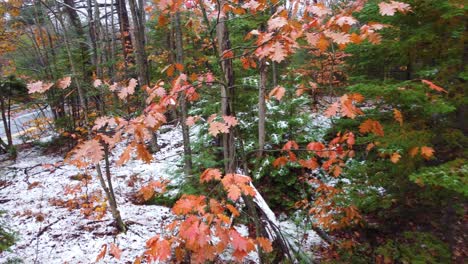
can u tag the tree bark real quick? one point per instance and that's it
(262, 107)
(124, 24)
(183, 100)
(139, 33)
(227, 91)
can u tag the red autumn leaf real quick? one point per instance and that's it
(338, 37)
(143, 154)
(130, 89)
(233, 210)
(332, 109)
(125, 155)
(398, 116)
(346, 20)
(319, 10)
(395, 157)
(210, 174)
(278, 92)
(234, 192)
(102, 253)
(90, 150)
(38, 87)
(322, 43)
(231, 121)
(310, 163)
(290, 145)
(433, 86)
(115, 251)
(190, 121)
(265, 244)
(217, 127)
(350, 139)
(281, 161)
(278, 52)
(228, 54)
(413, 151)
(146, 192)
(97, 83)
(64, 82)
(277, 22)
(189, 203)
(427, 152)
(371, 126)
(315, 146)
(389, 9)
(239, 242)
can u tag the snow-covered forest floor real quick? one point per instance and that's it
(32, 192)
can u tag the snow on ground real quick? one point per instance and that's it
(48, 233)
(53, 234)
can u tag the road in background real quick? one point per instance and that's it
(19, 121)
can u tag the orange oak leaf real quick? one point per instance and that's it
(290, 145)
(278, 52)
(64, 82)
(228, 54)
(90, 150)
(265, 244)
(188, 203)
(234, 192)
(371, 126)
(190, 121)
(97, 83)
(143, 154)
(398, 116)
(389, 9)
(38, 87)
(433, 86)
(115, 251)
(125, 156)
(310, 163)
(332, 110)
(231, 121)
(102, 253)
(281, 161)
(210, 174)
(277, 22)
(338, 37)
(233, 210)
(278, 92)
(427, 152)
(217, 127)
(395, 157)
(413, 151)
(130, 89)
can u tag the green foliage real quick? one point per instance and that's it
(451, 175)
(7, 236)
(415, 247)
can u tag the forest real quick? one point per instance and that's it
(233, 131)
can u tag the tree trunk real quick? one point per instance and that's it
(262, 107)
(227, 91)
(6, 124)
(139, 33)
(183, 100)
(126, 40)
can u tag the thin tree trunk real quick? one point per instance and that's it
(5, 119)
(110, 196)
(139, 33)
(183, 100)
(126, 40)
(262, 107)
(227, 91)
